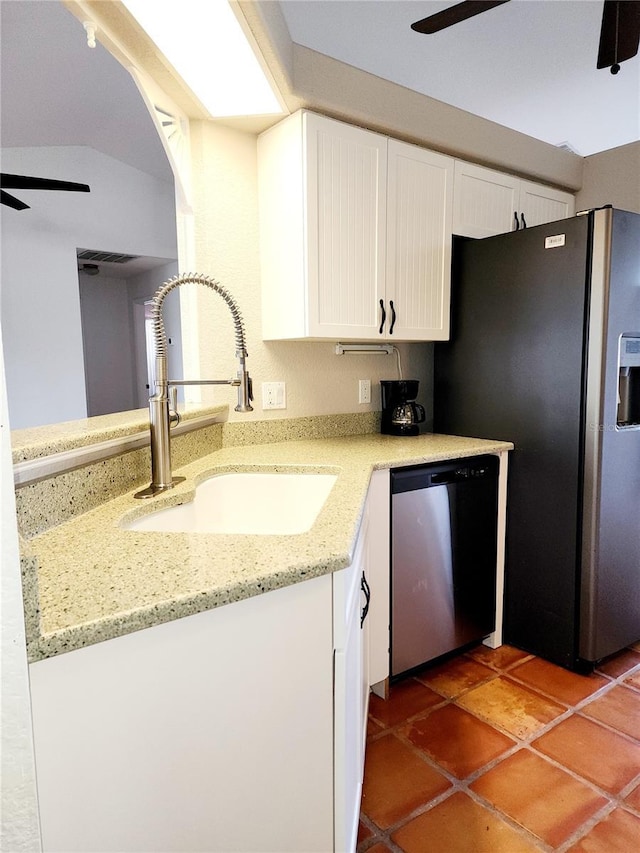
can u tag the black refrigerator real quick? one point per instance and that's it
(545, 352)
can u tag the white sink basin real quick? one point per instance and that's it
(245, 502)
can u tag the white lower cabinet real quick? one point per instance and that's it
(237, 729)
(241, 728)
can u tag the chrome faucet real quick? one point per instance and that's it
(162, 405)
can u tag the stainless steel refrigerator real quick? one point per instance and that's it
(545, 352)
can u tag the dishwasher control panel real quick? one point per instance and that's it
(441, 473)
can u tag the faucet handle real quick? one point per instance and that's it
(174, 417)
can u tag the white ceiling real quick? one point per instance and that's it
(529, 64)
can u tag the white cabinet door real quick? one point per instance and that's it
(349, 756)
(540, 204)
(322, 189)
(378, 574)
(346, 185)
(419, 228)
(487, 202)
(351, 691)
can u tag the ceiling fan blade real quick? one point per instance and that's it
(11, 201)
(24, 182)
(620, 32)
(453, 15)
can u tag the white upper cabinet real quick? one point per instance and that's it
(351, 222)
(487, 202)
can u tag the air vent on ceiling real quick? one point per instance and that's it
(105, 257)
(567, 146)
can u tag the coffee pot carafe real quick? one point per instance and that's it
(400, 413)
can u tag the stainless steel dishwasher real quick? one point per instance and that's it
(443, 558)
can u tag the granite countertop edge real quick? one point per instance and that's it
(88, 580)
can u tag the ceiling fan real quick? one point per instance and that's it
(23, 182)
(619, 34)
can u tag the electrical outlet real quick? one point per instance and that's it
(364, 390)
(274, 395)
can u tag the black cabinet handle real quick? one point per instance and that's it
(515, 214)
(524, 224)
(393, 316)
(383, 316)
(364, 586)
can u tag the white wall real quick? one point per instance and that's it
(126, 211)
(226, 216)
(19, 826)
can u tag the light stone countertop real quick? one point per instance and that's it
(89, 580)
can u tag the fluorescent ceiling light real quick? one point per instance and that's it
(205, 43)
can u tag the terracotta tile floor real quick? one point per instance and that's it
(498, 751)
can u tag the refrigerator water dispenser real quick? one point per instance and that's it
(629, 381)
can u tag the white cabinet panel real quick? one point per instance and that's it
(419, 229)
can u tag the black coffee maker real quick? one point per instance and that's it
(400, 413)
